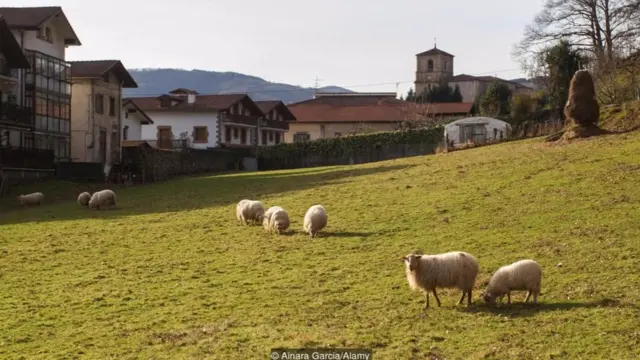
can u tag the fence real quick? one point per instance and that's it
(353, 149)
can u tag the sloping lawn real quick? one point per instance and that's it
(171, 275)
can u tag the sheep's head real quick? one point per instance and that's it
(489, 298)
(411, 261)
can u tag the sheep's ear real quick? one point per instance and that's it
(404, 258)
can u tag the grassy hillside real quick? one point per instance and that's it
(624, 117)
(170, 275)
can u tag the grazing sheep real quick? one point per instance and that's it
(315, 220)
(278, 221)
(266, 219)
(250, 210)
(31, 199)
(240, 208)
(521, 275)
(449, 270)
(83, 199)
(102, 198)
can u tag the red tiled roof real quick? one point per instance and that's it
(203, 103)
(32, 17)
(98, 68)
(370, 110)
(434, 51)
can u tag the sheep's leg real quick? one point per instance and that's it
(436, 296)
(469, 297)
(528, 296)
(426, 306)
(509, 297)
(462, 298)
(535, 298)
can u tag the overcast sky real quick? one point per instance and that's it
(348, 43)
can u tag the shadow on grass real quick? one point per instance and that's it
(183, 194)
(520, 309)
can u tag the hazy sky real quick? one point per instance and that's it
(343, 42)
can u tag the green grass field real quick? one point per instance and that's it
(171, 275)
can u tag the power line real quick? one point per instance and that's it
(316, 84)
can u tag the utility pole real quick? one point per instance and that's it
(315, 87)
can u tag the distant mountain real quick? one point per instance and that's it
(536, 83)
(154, 82)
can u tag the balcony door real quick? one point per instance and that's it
(164, 137)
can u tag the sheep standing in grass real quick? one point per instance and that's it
(266, 220)
(449, 270)
(83, 199)
(521, 275)
(315, 220)
(278, 221)
(103, 198)
(31, 199)
(250, 211)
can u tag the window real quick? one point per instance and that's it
(430, 65)
(200, 134)
(47, 34)
(264, 137)
(227, 134)
(99, 104)
(112, 106)
(301, 136)
(270, 136)
(277, 140)
(243, 136)
(235, 133)
(125, 132)
(444, 66)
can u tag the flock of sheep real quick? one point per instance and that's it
(459, 270)
(99, 199)
(276, 219)
(424, 272)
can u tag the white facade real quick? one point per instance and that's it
(181, 122)
(477, 130)
(131, 123)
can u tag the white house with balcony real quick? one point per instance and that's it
(184, 118)
(44, 89)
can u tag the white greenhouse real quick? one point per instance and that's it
(478, 130)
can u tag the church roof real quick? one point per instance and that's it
(434, 51)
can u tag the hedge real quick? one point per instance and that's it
(350, 145)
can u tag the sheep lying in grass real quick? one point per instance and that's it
(315, 220)
(276, 220)
(103, 198)
(521, 275)
(31, 199)
(249, 211)
(449, 270)
(83, 199)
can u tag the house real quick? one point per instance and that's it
(435, 66)
(45, 87)
(15, 119)
(134, 119)
(96, 109)
(185, 118)
(477, 130)
(274, 111)
(336, 114)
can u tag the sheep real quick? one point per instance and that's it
(102, 198)
(250, 210)
(83, 199)
(31, 199)
(278, 221)
(266, 219)
(521, 275)
(448, 270)
(315, 220)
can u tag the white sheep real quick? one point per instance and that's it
(266, 219)
(31, 199)
(102, 198)
(521, 275)
(449, 270)
(83, 199)
(315, 220)
(278, 221)
(250, 210)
